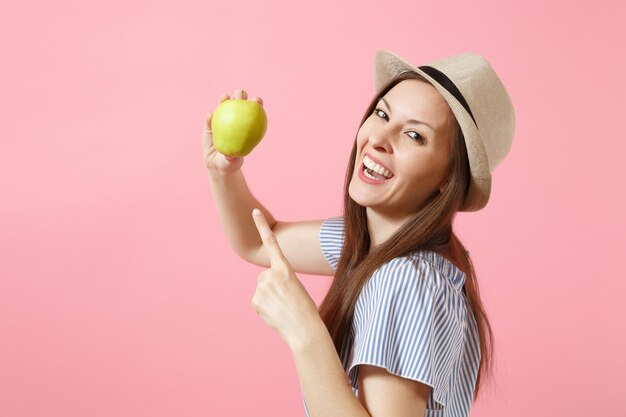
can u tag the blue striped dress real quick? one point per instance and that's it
(412, 318)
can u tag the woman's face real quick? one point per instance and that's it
(413, 154)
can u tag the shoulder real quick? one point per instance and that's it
(408, 269)
(443, 272)
(332, 226)
(398, 284)
(426, 269)
(331, 238)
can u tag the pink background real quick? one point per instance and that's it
(119, 293)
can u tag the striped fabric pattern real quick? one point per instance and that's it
(412, 319)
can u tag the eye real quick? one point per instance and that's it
(378, 111)
(417, 136)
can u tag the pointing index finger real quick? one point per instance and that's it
(267, 236)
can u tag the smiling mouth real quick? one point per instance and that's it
(373, 175)
(373, 170)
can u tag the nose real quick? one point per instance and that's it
(380, 140)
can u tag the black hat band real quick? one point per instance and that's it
(447, 83)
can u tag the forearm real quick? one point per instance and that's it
(234, 203)
(323, 381)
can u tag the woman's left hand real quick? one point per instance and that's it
(280, 298)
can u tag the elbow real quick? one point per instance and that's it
(255, 257)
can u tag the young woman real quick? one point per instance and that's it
(402, 330)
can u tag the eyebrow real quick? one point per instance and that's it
(419, 122)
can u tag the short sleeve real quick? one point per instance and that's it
(403, 326)
(331, 239)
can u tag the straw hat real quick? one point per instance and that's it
(480, 104)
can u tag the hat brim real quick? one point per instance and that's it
(387, 67)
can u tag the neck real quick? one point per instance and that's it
(382, 226)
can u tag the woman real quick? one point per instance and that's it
(403, 319)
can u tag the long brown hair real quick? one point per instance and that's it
(429, 229)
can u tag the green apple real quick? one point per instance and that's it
(238, 126)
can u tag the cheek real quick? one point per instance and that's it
(417, 170)
(360, 144)
(360, 136)
(364, 130)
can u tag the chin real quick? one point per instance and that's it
(358, 198)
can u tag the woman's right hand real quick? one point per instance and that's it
(215, 161)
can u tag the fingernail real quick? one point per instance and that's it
(256, 212)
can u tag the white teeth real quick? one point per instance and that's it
(368, 175)
(376, 168)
